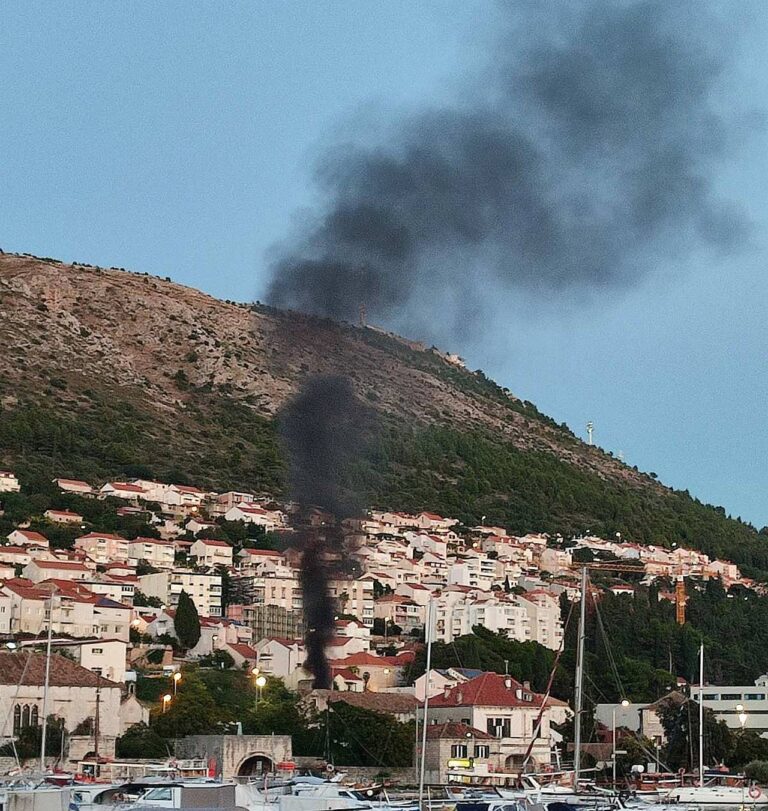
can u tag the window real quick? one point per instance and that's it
(97, 651)
(747, 696)
(16, 719)
(730, 697)
(158, 794)
(482, 750)
(459, 750)
(25, 716)
(33, 716)
(711, 697)
(500, 727)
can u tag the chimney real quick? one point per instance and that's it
(527, 685)
(446, 690)
(508, 683)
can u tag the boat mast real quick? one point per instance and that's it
(428, 640)
(45, 686)
(701, 715)
(578, 698)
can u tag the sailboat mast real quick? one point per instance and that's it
(701, 715)
(578, 698)
(45, 687)
(428, 640)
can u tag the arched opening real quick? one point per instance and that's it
(16, 719)
(514, 763)
(25, 716)
(255, 765)
(33, 719)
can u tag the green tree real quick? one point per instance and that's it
(187, 622)
(192, 711)
(141, 741)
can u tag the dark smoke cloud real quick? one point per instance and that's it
(324, 429)
(582, 163)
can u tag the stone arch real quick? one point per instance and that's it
(255, 764)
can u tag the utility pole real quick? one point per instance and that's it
(428, 640)
(45, 687)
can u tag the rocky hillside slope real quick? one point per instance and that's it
(105, 372)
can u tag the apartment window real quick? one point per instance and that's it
(97, 651)
(747, 696)
(482, 750)
(459, 750)
(730, 697)
(711, 697)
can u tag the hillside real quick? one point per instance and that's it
(109, 373)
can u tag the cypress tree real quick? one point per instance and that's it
(187, 622)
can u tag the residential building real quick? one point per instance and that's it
(103, 547)
(105, 657)
(395, 609)
(63, 517)
(506, 709)
(17, 555)
(203, 587)
(118, 588)
(79, 488)
(354, 596)
(453, 745)
(27, 538)
(124, 490)
(270, 520)
(276, 656)
(157, 553)
(378, 672)
(269, 620)
(39, 570)
(8, 482)
(211, 553)
(544, 620)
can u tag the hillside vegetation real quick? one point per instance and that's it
(106, 373)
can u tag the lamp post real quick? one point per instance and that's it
(166, 701)
(742, 715)
(260, 682)
(176, 679)
(624, 703)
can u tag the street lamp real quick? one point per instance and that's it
(166, 701)
(624, 703)
(176, 680)
(742, 715)
(260, 682)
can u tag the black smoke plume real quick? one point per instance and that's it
(324, 429)
(582, 162)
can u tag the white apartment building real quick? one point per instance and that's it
(543, 610)
(354, 597)
(104, 547)
(202, 587)
(475, 571)
(211, 553)
(39, 570)
(8, 482)
(723, 700)
(157, 553)
(279, 657)
(79, 488)
(494, 613)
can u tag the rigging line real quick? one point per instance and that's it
(376, 758)
(540, 717)
(609, 651)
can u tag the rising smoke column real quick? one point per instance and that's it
(582, 162)
(324, 429)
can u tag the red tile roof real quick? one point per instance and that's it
(63, 672)
(490, 690)
(246, 651)
(265, 553)
(129, 488)
(96, 535)
(69, 565)
(32, 536)
(14, 550)
(370, 660)
(211, 542)
(387, 703)
(346, 674)
(73, 482)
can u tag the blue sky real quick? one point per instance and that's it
(177, 138)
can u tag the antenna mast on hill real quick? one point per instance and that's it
(362, 316)
(590, 429)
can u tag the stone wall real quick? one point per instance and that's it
(231, 753)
